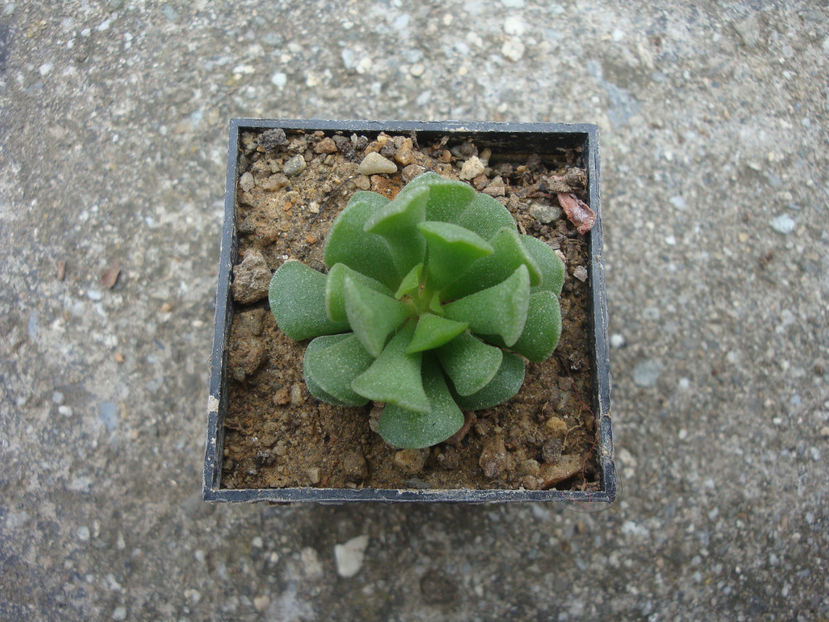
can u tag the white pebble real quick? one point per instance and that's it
(513, 49)
(514, 26)
(83, 533)
(279, 79)
(66, 411)
(617, 340)
(471, 168)
(783, 224)
(120, 613)
(349, 556)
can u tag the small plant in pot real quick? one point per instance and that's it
(435, 325)
(430, 303)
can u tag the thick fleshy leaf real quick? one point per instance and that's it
(330, 365)
(549, 264)
(409, 429)
(433, 331)
(349, 244)
(314, 389)
(485, 216)
(335, 289)
(447, 197)
(410, 283)
(487, 271)
(397, 222)
(395, 376)
(543, 327)
(498, 310)
(372, 315)
(469, 363)
(297, 298)
(450, 249)
(504, 385)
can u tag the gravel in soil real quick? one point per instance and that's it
(291, 187)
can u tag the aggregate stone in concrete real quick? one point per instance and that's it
(714, 141)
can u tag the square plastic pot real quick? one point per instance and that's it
(520, 139)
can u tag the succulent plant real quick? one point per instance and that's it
(431, 304)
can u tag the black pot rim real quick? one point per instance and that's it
(538, 133)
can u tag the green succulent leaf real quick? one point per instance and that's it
(410, 429)
(435, 306)
(335, 289)
(469, 363)
(433, 331)
(498, 310)
(485, 216)
(372, 315)
(504, 385)
(330, 365)
(395, 376)
(447, 197)
(349, 244)
(297, 298)
(543, 328)
(410, 283)
(397, 222)
(451, 249)
(549, 264)
(487, 271)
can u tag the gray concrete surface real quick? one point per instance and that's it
(714, 147)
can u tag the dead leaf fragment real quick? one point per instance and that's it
(61, 270)
(110, 276)
(578, 212)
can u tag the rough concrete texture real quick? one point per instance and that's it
(714, 159)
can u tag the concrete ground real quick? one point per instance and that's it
(714, 159)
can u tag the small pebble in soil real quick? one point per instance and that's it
(251, 278)
(353, 466)
(314, 475)
(410, 461)
(580, 272)
(246, 182)
(274, 182)
(471, 168)
(350, 555)
(411, 171)
(494, 457)
(404, 154)
(296, 395)
(294, 166)
(326, 145)
(551, 450)
(496, 187)
(374, 164)
(556, 426)
(270, 139)
(282, 396)
(545, 213)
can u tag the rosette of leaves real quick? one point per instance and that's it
(431, 304)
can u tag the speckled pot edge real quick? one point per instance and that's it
(529, 134)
